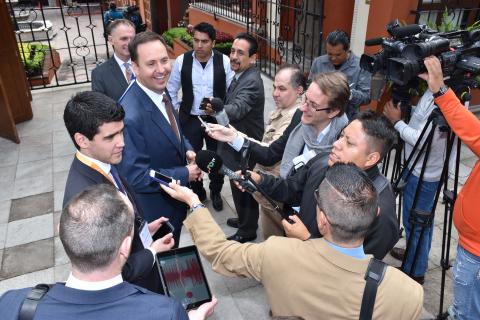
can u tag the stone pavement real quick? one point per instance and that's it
(33, 175)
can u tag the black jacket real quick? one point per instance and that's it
(299, 188)
(268, 156)
(139, 268)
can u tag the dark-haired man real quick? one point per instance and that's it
(364, 142)
(95, 124)
(96, 230)
(340, 58)
(244, 104)
(153, 135)
(318, 278)
(200, 73)
(113, 76)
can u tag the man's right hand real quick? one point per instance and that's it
(194, 172)
(253, 175)
(221, 133)
(163, 244)
(434, 77)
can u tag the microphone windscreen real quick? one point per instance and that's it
(217, 104)
(208, 161)
(405, 31)
(373, 42)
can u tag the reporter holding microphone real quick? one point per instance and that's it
(466, 217)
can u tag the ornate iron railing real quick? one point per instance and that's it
(71, 38)
(288, 31)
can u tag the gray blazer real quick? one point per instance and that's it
(108, 79)
(244, 106)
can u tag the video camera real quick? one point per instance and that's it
(401, 58)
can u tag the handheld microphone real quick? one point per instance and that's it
(208, 161)
(405, 31)
(220, 114)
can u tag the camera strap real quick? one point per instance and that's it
(29, 305)
(373, 276)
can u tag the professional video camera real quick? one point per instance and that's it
(401, 58)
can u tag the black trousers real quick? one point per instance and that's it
(195, 133)
(247, 210)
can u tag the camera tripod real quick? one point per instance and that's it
(421, 219)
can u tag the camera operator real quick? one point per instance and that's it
(340, 58)
(410, 133)
(466, 126)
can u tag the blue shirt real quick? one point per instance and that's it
(356, 252)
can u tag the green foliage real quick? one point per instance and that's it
(224, 47)
(187, 38)
(447, 23)
(174, 33)
(32, 55)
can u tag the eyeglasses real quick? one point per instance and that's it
(312, 105)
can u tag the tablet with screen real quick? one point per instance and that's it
(183, 277)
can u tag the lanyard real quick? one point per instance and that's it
(93, 165)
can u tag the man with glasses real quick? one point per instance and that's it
(364, 142)
(311, 132)
(330, 272)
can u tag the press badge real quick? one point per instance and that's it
(145, 235)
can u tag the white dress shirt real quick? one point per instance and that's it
(76, 283)
(202, 81)
(122, 66)
(157, 99)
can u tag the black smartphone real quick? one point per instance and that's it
(165, 229)
(203, 104)
(159, 177)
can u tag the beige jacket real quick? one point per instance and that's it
(309, 279)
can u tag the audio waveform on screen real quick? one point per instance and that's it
(179, 273)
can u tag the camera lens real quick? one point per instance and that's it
(432, 47)
(401, 71)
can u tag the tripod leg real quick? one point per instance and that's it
(420, 231)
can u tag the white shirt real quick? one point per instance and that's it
(157, 99)
(122, 66)
(105, 167)
(75, 283)
(202, 81)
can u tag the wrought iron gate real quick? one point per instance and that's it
(59, 45)
(288, 31)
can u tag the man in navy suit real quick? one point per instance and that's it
(113, 76)
(153, 137)
(96, 230)
(95, 124)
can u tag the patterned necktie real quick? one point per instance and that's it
(233, 85)
(118, 181)
(171, 117)
(128, 72)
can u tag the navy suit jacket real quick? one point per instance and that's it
(108, 79)
(150, 143)
(139, 268)
(123, 301)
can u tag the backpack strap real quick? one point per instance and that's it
(373, 276)
(29, 305)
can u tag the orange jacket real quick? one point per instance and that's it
(466, 213)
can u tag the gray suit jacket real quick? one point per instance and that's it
(108, 79)
(244, 106)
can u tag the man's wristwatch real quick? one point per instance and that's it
(196, 206)
(441, 92)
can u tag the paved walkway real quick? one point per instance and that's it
(33, 175)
